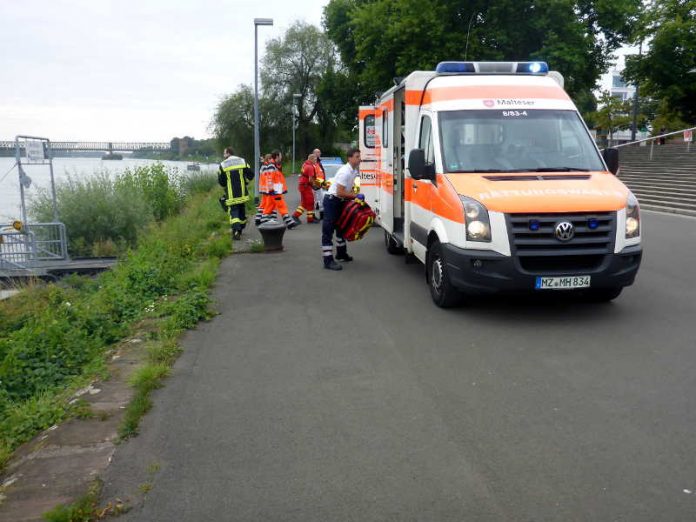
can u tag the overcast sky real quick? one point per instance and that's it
(142, 70)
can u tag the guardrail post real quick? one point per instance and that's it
(652, 145)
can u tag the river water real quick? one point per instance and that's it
(62, 167)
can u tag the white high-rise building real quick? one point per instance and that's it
(613, 82)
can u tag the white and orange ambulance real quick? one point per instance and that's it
(486, 172)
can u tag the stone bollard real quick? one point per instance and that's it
(272, 234)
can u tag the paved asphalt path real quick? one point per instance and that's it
(321, 396)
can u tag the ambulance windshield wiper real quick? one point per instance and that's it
(558, 169)
(503, 171)
(488, 171)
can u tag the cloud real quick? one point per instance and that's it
(150, 70)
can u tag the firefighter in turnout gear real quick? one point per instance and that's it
(306, 183)
(233, 177)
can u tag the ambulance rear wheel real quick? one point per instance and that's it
(441, 290)
(391, 244)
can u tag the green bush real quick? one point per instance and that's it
(104, 215)
(161, 188)
(199, 182)
(57, 336)
(95, 211)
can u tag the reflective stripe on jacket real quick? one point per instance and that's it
(234, 174)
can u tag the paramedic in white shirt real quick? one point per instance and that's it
(341, 190)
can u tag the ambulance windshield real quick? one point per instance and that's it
(516, 140)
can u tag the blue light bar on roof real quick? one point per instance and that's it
(455, 67)
(532, 67)
(492, 68)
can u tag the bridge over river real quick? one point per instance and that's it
(95, 146)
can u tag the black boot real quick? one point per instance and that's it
(290, 222)
(330, 264)
(342, 254)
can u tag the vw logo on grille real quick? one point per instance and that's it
(564, 231)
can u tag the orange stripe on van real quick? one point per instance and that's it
(365, 112)
(413, 97)
(479, 92)
(603, 192)
(441, 199)
(387, 104)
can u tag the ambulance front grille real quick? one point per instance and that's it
(533, 240)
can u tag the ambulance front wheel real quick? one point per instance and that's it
(391, 244)
(444, 294)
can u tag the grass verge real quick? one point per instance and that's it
(86, 508)
(81, 510)
(53, 339)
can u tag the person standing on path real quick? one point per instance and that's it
(233, 177)
(319, 187)
(341, 190)
(305, 186)
(264, 182)
(276, 187)
(317, 154)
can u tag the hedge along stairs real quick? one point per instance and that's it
(122, 327)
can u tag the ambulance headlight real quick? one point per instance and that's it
(632, 217)
(476, 220)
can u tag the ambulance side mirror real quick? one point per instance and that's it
(611, 158)
(417, 166)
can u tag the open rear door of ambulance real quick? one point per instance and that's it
(368, 153)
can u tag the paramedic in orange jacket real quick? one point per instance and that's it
(264, 182)
(275, 187)
(305, 185)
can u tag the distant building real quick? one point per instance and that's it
(613, 82)
(181, 145)
(618, 88)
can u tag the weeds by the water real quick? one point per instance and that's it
(104, 215)
(53, 339)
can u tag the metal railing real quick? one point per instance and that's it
(15, 249)
(50, 240)
(29, 247)
(652, 140)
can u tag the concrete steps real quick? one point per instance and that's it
(666, 183)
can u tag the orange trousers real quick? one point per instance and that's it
(275, 202)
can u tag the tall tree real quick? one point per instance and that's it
(613, 115)
(667, 71)
(381, 39)
(296, 63)
(233, 122)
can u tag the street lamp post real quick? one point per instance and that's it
(294, 109)
(257, 139)
(635, 100)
